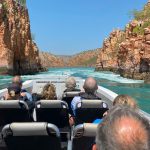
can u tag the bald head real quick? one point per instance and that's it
(123, 129)
(90, 85)
(130, 131)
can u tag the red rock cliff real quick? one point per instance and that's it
(18, 53)
(84, 59)
(50, 60)
(128, 51)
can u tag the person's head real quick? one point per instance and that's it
(17, 80)
(125, 100)
(49, 92)
(70, 83)
(123, 129)
(14, 92)
(90, 85)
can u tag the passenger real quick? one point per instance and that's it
(71, 85)
(121, 100)
(24, 93)
(90, 87)
(125, 100)
(13, 92)
(123, 129)
(49, 92)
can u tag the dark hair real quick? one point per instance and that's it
(109, 136)
(14, 91)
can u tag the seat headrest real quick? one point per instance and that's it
(51, 104)
(31, 129)
(86, 129)
(72, 94)
(13, 104)
(91, 104)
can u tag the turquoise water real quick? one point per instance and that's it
(134, 88)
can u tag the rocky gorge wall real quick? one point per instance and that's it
(49, 60)
(18, 53)
(84, 59)
(128, 52)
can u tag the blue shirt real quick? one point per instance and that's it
(74, 102)
(97, 121)
(29, 96)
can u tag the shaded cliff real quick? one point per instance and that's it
(84, 59)
(18, 53)
(50, 60)
(128, 52)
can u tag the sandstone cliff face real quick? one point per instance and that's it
(128, 52)
(50, 60)
(84, 59)
(18, 53)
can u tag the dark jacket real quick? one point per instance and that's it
(89, 96)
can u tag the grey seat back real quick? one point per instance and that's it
(52, 111)
(13, 111)
(71, 94)
(68, 97)
(88, 110)
(29, 136)
(84, 136)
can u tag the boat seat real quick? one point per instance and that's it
(52, 111)
(68, 97)
(84, 136)
(88, 110)
(30, 136)
(13, 111)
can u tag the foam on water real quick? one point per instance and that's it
(114, 77)
(135, 88)
(83, 72)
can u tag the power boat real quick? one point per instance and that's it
(71, 136)
(36, 86)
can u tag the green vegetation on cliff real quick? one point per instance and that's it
(142, 16)
(22, 2)
(90, 61)
(140, 29)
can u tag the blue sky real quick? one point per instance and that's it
(66, 27)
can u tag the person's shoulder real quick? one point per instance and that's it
(76, 98)
(97, 121)
(28, 94)
(23, 90)
(74, 90)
